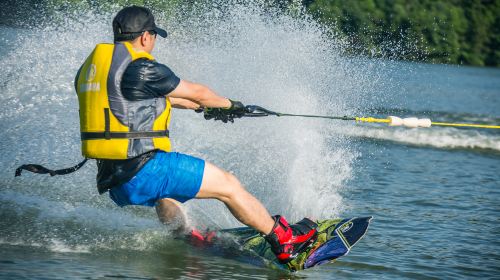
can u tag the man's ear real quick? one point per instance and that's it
(144, 38)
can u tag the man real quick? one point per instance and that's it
(125, 99)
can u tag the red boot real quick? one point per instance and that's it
(288, 241)
(201, 239)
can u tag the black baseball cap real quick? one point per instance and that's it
(130, 22)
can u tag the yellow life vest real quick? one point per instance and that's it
(111, 126)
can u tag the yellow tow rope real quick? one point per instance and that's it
(391, 122)
(257, 111)
(372, 120)
(467, 125)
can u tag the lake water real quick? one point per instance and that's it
(434, 192)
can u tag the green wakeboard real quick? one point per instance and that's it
(335, 239)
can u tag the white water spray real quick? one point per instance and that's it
(243, 51)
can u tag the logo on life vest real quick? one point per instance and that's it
(91, 73)
(89, 76)
(90, 87)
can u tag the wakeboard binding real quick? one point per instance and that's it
(288, 241)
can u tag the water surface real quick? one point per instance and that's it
(434, 193)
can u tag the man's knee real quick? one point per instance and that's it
(231, 180)
(233, 188)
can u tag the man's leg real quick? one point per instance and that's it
(170, 213)
(224, 186)
(285, 240)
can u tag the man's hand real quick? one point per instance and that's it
(236, 110)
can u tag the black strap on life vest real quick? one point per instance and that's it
(107, 134)
(124, 135)
(36, 168)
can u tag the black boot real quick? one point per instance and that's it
(288, 241)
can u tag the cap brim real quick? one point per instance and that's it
(161, 32)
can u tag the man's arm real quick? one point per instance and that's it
(199, 94)
(181, 103)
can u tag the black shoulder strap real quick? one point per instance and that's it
(35, 168)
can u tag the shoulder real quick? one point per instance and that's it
(148, 69)
(145, 78)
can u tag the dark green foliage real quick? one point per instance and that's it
(446, 31)
(35, 13)
(451, 31)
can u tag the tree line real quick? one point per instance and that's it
(446, 31)
(439, 31)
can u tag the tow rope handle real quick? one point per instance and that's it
(257, 111)
(39, 169)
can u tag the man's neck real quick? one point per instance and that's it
(136, 46)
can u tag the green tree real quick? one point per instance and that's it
(452, 31)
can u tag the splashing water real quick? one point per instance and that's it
(248, 52)
(433, 191)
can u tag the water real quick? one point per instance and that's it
(433, 193)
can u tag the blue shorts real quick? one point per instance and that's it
(166, 175)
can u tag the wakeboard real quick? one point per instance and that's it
(335, 239)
